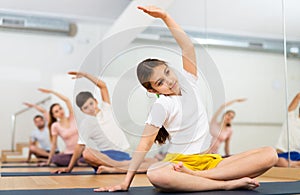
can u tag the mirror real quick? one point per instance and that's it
(243, 39)
(248, 51)
(289, 138)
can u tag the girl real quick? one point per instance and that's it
(63, 126)
(222, 130)
(179, 115)
(290, 149)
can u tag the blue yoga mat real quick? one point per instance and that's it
(16, 174)
(22, 166)
(265, 188)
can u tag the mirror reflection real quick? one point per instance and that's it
(249, 82)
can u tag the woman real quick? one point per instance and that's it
(63, 126)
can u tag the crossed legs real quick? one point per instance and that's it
(224, 176)
(38, 152)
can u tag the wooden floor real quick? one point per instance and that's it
(94, 181)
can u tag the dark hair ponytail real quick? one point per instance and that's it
(52, 119)
(162, 136)
(144, 72)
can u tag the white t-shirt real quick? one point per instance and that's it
(42, 137)
(294, 134)
(184, 117)
(102, 132)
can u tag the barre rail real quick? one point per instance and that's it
(13, 119)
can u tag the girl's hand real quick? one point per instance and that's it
(154, 11)
(61, 170)
(76, 75)
(120, 187)
(241, 100)
(44, 90)
(28, 104)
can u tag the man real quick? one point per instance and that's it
(39, 144)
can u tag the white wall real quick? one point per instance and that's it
(257, 76)
(30, 61)
(260, 77)
(293, 78)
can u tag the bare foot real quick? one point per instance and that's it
(294, 164)
(243, 183)
(105, 169)
(43, 164)
(179, 167)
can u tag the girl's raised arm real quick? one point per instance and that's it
(223, 106)
(60, 96)
(184, 42)
(295, 102)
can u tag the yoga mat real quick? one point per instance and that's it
(279, 187)
(265, 188)
(24, 166)
(35, 166)
(15, 174)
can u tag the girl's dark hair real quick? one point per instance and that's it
(145, 70)
(52, 119)
(162, 136)
(230, 111)
(82, 97)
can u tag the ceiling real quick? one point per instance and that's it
(262, 18)
(76, 9)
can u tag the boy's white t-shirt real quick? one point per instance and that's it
(184, 117)
(294, 134)
(102, 132)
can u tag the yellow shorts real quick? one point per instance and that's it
(195, 162)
